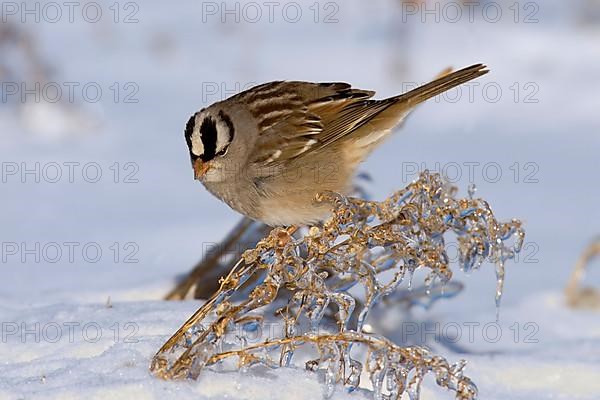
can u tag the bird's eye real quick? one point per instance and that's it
(225, 133)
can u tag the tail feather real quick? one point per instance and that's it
(393, 111)
(367, 122)
(440, 85)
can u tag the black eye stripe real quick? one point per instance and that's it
(189, 128)
(208, 134)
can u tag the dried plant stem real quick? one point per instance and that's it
(310, 278)
(583, 297)
(208, 306)
(206, 272)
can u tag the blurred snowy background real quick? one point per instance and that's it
(98, 199)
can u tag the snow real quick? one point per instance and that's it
(80, 350)
(92, 351)
(161, 220)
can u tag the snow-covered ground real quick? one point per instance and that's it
(71, 241)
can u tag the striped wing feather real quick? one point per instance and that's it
(290, 123)
(296, 118)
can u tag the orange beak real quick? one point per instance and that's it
(200, 169)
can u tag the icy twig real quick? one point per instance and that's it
(583, 297)
(201, 280)
(365, 244)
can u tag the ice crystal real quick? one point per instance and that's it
(374, 246)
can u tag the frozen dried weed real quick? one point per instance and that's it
(374, 246)
(579, 296)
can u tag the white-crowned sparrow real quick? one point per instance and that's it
(268, 151)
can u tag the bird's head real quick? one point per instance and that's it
(208, 134)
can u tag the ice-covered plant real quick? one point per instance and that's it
(578, 296)
(368, 245)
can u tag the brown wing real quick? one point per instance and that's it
(298, 117)
(289, 124)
